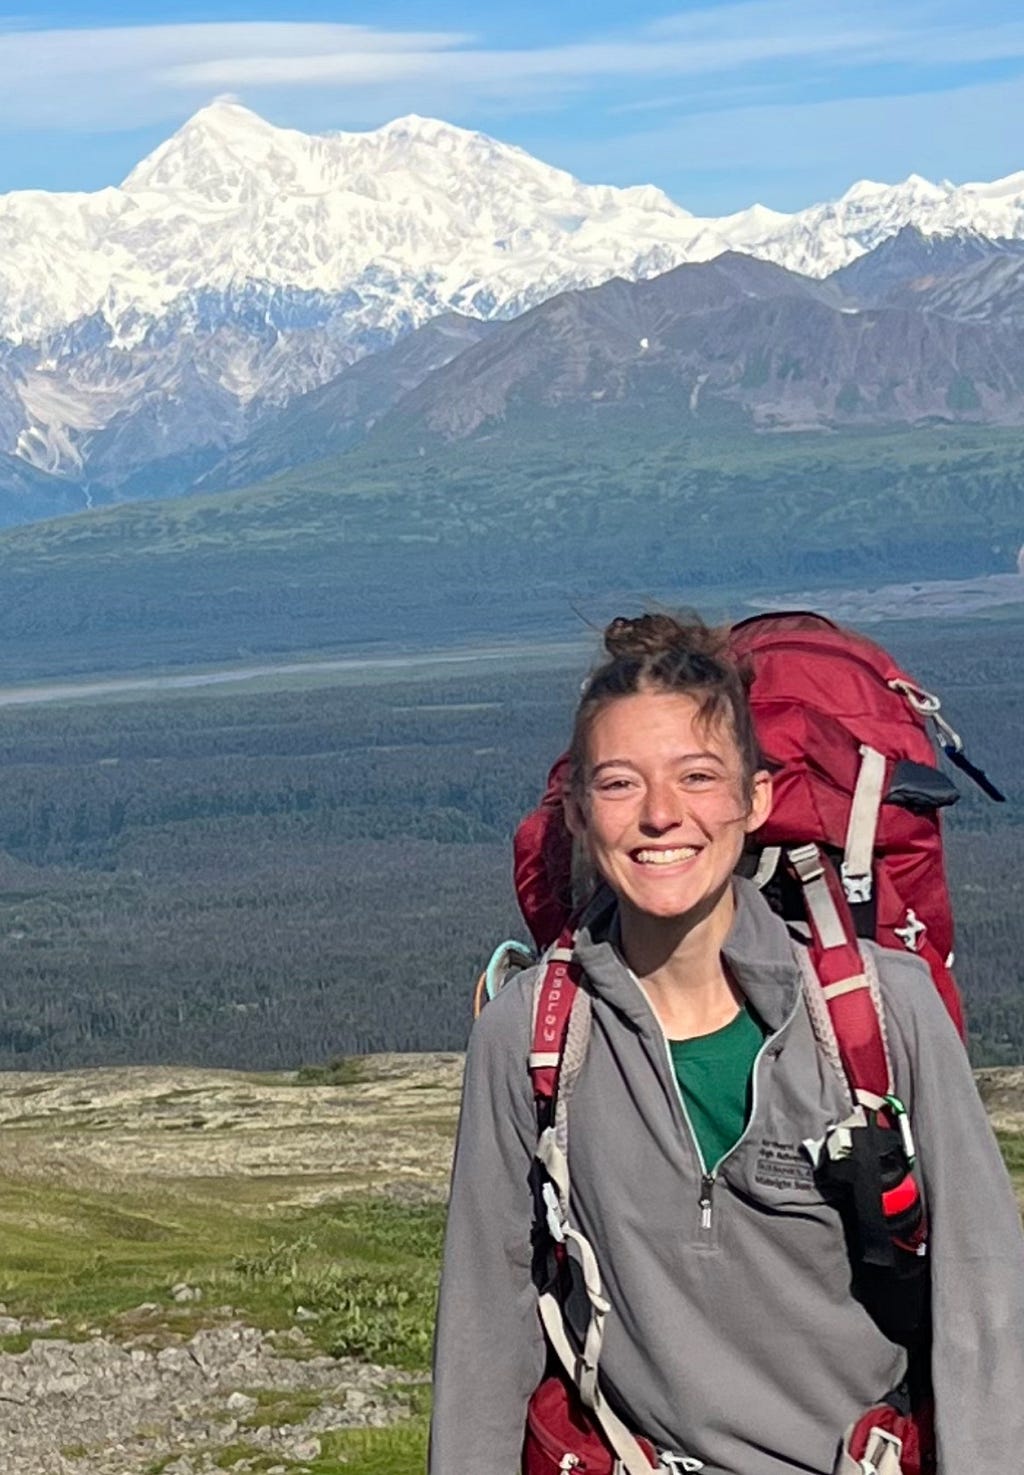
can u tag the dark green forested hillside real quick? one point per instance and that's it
(280, 876)
(409, 542)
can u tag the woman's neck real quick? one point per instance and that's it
(678, 961)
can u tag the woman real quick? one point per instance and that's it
(733, 1340)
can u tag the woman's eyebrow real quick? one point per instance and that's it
(612, 763)
(680, 758)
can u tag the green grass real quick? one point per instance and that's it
(1012, 1145)
(367, 1268)
(344, 1070)
(399, 1450)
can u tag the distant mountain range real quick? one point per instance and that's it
(252, 298)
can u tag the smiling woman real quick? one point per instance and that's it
(695, 1278)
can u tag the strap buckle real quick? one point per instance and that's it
(856, 887)
(553, 1216)
(901, 1117)
(806, 861)
(883, 1453)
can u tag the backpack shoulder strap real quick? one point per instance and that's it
(561, 1033)
(849, 989)
(555, 995)
(872, 1152)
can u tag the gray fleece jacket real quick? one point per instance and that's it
(738, 1344)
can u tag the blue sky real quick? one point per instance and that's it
(784, 102)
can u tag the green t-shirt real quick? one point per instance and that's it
(715, 1074)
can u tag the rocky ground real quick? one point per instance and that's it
(100, 1407)
(148, 1393)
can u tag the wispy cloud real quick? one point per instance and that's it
(131, 75)
(125, 76)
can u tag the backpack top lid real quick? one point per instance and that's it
(820, 696)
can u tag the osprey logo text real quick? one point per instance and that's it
(552, 1020)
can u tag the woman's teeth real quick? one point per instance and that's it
(665, 857)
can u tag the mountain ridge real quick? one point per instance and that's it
(147, 329)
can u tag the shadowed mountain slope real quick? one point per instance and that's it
(734, 341)
(328, 420)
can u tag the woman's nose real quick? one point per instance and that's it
(662, 808)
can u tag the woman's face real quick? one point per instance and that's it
(665, 807)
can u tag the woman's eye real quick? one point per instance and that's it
(614, 785)
(698, 779)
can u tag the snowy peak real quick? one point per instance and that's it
(220, 145)
(409, 220)
(225, 150)
(915, 190)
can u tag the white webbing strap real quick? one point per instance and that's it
(767, 866)
(844, 986)
(628, 1452)
(582, 1365)
(862, 825)
(875, 985)
(810, 868)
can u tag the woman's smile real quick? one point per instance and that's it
(666, 857)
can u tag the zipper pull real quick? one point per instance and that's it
(707, 1184)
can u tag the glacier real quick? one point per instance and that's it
(242, 264)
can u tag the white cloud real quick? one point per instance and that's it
(126, 76)
(130, 76)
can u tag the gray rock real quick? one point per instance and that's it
(129, 1408)
(305, 1448)
(183, 1292)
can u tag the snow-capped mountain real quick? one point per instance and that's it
(414, 217)
(241, 265)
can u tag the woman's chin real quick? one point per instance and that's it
(661, 904)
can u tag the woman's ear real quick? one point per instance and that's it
(760, 800)
(572, 813)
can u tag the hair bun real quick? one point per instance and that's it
(653, 635)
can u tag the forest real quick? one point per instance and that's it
(505, 535)
(281, 875)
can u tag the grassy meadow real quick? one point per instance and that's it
(265, 1195)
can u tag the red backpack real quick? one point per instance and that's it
(852, 849)
(820, 695)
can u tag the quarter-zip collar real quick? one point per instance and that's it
(757, 949)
